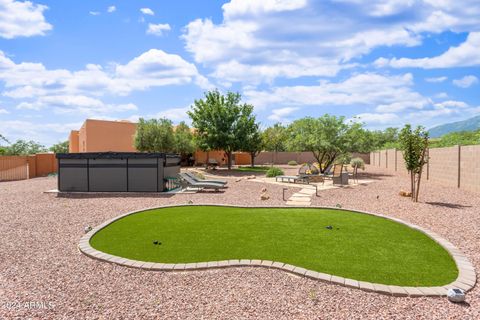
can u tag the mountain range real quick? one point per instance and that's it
(471, 124)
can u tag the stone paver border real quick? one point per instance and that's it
(466, 279)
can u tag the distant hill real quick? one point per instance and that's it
(471, 124)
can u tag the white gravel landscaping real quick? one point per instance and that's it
(43, 274)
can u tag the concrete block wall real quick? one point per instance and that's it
(457, 166)
(470, 168)
(443, 166)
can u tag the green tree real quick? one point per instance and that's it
(218, 120)
(61, 147)
(274, 139)
(184, 142)
(414, 144)
(3, 150)
(154, 136)
(327, 137)
(252, 141)
(2, 138)
(23, 147)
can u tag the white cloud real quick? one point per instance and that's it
(153, 68)
(464, 55)
(466, 81)
(111, 9)
(253, 42)
(377, 118)
(147, 11)
(79, 92)
(281, 114)
(94, 13)
(436, 79)
(367, 89)
(22, 19)
(158, 29)
(450, 104)
(237, 8)
(4, 111)
(76, 104)
(46, 133)
(175, 114)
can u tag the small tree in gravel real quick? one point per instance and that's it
(414, 144)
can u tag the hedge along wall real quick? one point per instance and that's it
(27, 167)
(457, 166)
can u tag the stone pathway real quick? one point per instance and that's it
(302, 197)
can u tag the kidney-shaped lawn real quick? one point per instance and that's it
(339, 242)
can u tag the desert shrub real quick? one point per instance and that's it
(292, 163)
(274, 171)
(358, 162)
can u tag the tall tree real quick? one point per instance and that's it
(23, 147)
(414, 144)
(327, 137)
(2, 138)
(252, 140)
(218, 121)
(274, 139)
(184, 143)
(61, 147)
(154, 136)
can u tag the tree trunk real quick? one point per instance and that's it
(229, 160)
(412, 184)
(252, 156)
(417, 190)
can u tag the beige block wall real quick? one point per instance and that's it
(391, 159)
(383, 158)
(443, 166)
(470, 168)
(401, 168)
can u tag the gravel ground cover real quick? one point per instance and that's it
(44, 276)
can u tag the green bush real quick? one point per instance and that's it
(274, 171)
(292, 163)
(358, 162)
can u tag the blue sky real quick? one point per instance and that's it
(386, 63)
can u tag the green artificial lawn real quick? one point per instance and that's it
(260, 169)
(360, 246)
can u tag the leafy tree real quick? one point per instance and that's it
(154, 136)
(252, 141)
(327, 137)
(61, 147)
(3, 150)
(414, 144)
(2, 138)
(274, 139)
(23, 147)
(218, 120)
(184, 143)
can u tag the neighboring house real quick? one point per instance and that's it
(118, 136)
(102, 136)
